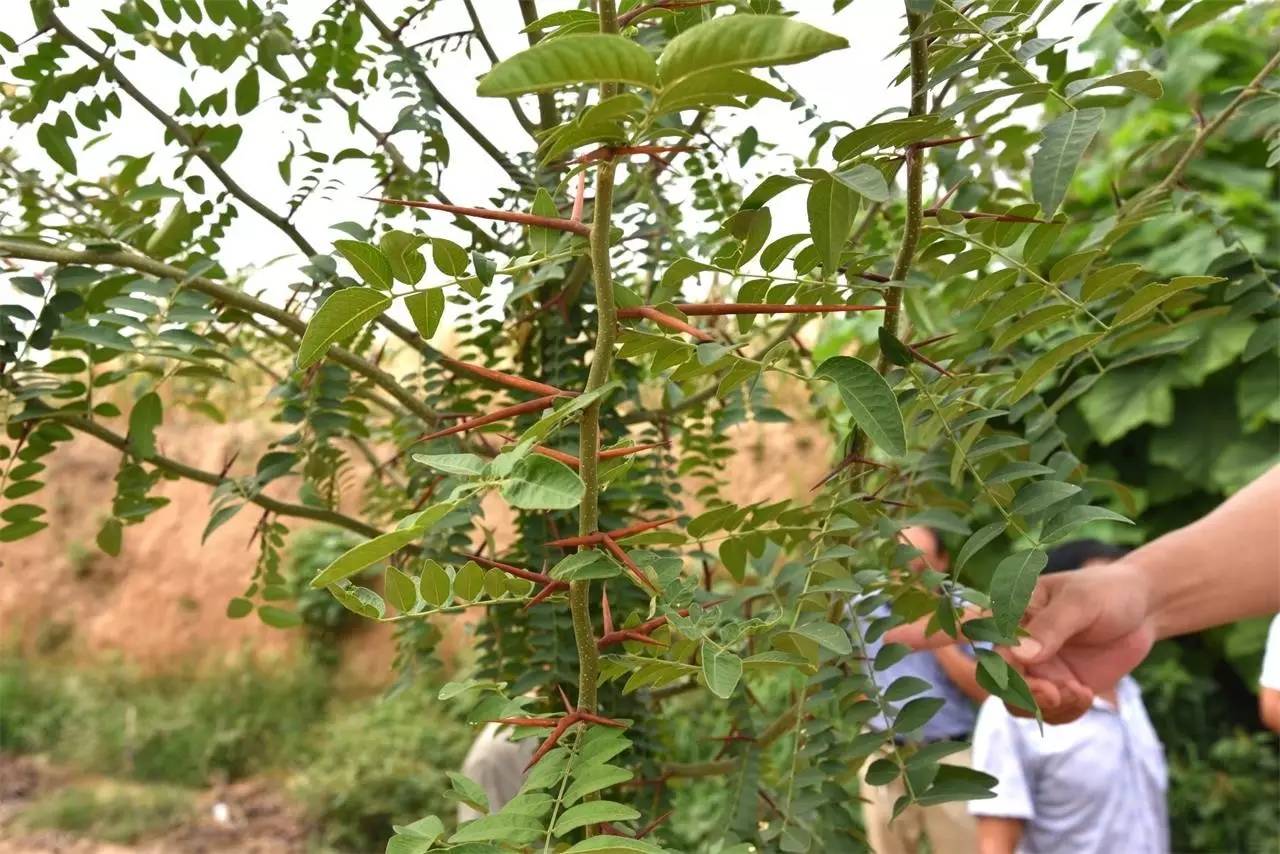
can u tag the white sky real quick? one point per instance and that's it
(851, 85)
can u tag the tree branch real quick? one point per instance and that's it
(266, 502)
(478, 29)
(225, 295)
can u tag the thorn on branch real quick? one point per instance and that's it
(537, 405)
(559, 727)
(933, 212)
(616, 534)
(673, 323)
(948, 140)
(626, 18)
(579, 197)
(550, 585)
(534, 220)
(720, 309)
(849, 460)
(519, 383)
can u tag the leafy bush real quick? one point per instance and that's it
(188, 731)
(378, 763)
(112, 813)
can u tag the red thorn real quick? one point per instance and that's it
(844, 464)
(618, 534)
(605, 611)
(545, 593)
(525, 721)
(627, 17)
(534, 220)
(511, 569)
(507, 380)
(950, 140)
(537, 405)
(621, 555)
(933, 212)
(614, 453)
(653, 825)
(719, 309)
(578, 198)
(673, 323)
(564, 698)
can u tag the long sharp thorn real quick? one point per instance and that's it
(534, 220)
(674, 323)
(525, 721)
(564, 698)
(591, 717)
(578, 197)
(929, 362)
(506, 379)
(545, 748)
(653, 825)
(728, 308)
(537, 405)
(934, 340)
(639, 528)
(543, 595)
(605, 611)
(613, 453)
(640, 638)
(517, 571)
(621, 555)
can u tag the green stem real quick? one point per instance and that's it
(601, 365)
(915, 182)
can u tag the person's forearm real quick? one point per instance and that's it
(1222, 568)
(998, 835)
(1269, 708)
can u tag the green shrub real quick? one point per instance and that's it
(109, 813)
(384, 762)
(174, 729)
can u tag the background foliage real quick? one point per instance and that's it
(1021, 375)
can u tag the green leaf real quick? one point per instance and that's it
(1041, 495)
(400, 590)
(615, 845)
(831, 206)
(239, 608)
(1011, 586)
(499, 827)
(716, 86)
(1137, 80)
(568, 61)
(434, 584)
(904, 687)
(980, 539)
(469, 583)
(882, 772)
(1059, 526)
(247, 92)
(370, 264)
(956, 783)
(870, 401)
(865, 180)
(589, 565)
(364, 555)
(402, 252)
(1041, 367)
(827, 635)
(722, 670)
(426, 308)
(1102, 283)
(742, 41)
(145, 417)
(917, 713)
(541, 483)
(449, 257)
(894, 350)
(461, 465)
(594, 778)
(110, 537)
(340, 316)
(278, 618)
(544, 240)
(593, 812)
(469, 791)
(1064, 142)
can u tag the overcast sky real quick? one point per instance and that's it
(852, 85)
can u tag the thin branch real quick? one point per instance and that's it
(487, 47)
(266, 502)
(533, 220)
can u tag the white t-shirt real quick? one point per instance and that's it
(1093, 786)
(1270, 677)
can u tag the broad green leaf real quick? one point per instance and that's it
(500, 827)
(717, 86)
(1149, 296)
(882, 772)
(541, 483)
(1030, 323)
(917, 713)
(593, 812)
(340, 316)
(469, 791)
(1041, 367)
(469, 582)
(865, 180)
(1059, 526)
(831, 206)
(594, 778)
(616, 845)
(403, 253)
(870, 401)
(826, 635)
(742, 41)
(370, 264)
(891, 134)
(278, 618)
(1102, 283)
(426, 308)
(461, 465)
(956, 783)
(904, 687)
(1137, 80)
(364, 555)
(568, 61)
(722, 670)
(144, 418)
(1041, 495)
(1011, 586)
(400, 590)
(980, 539)
(434, 584)
(586, 565)
(995, 675)
(1064, 142)
(449, 257)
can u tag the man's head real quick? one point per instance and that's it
(933, 555)
(1081, 553)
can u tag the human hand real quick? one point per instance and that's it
(1087, 629)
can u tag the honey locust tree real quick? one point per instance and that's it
(669, 648)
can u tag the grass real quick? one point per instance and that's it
(357, 764)
(111, 812)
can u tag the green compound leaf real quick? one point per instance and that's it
(870, 401)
